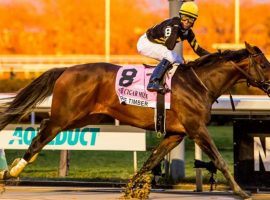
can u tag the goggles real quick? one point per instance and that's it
(185, 18)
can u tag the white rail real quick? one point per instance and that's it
(244, 104)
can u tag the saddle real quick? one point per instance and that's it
(131, 83)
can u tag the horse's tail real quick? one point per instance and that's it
(28, 97)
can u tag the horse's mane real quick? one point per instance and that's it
(227, 55)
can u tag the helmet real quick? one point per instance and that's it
(190, 9)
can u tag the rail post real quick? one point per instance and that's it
(175, 161)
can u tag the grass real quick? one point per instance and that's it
(118, 165)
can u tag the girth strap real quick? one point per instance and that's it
(200, 81)
(160, 114)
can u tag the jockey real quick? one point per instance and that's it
(159, 41)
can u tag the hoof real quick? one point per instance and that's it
(2, 188)
(244, 195)
(139, 188)
(2, 175)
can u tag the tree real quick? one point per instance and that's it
(78, 27)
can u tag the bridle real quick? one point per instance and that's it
(260, 82)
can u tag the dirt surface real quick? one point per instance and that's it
(82, 193)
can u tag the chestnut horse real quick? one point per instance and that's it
(84, 94)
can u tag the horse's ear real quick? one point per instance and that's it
(250, 48)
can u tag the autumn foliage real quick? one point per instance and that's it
(78, 27)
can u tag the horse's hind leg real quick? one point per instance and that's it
(203, 139)
(47, 132)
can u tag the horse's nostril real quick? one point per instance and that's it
(268, 89)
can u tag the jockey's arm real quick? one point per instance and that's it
(194, 44)
(171, 40)
(171, 34)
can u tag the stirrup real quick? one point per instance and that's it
(154, 86)
(164, 90)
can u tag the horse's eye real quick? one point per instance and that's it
(264, 65)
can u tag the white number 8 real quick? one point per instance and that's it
(168, 31)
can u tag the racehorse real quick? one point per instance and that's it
(84, 94)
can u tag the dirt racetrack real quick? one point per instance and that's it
(74, 193)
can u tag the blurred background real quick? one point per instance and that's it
(36, 35)
(61, 27)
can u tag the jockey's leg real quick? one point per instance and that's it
(156, 78)
(161, 53)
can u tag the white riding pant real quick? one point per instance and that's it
(157, 51)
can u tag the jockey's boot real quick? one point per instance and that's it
(156, 78)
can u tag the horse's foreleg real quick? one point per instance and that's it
(46, 134)
(203, 139)
(165, 146)
(143, 189)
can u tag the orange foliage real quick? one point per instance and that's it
(78, 27)
(129, 20)
(216, 23)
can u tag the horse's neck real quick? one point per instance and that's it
(218, 78)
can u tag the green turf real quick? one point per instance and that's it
(118, 165)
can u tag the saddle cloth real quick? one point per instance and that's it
(131, 83)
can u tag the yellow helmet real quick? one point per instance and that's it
(190, 9)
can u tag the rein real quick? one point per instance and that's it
(261, 83)
(200, 81)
